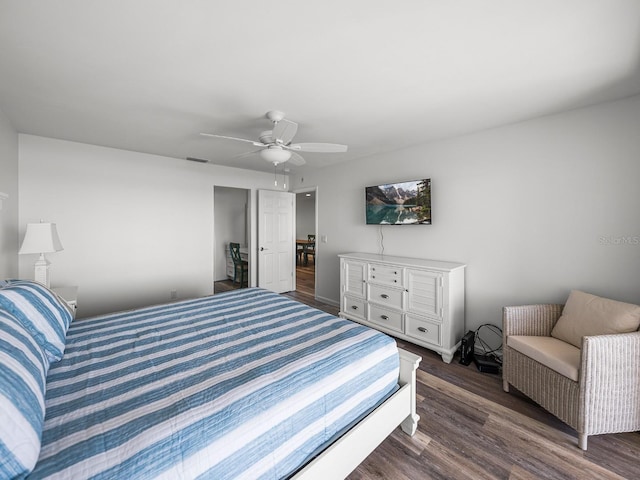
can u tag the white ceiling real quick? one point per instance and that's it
(149, 75)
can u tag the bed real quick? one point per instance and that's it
(245, 384)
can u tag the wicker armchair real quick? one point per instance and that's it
(606, 397)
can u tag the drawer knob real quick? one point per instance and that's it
(355, 307)
(423, 330)
(384, 317)
(384, 295)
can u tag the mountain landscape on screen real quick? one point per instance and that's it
(402, 203)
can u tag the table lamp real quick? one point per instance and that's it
(41, 238)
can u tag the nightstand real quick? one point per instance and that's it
(70, 296)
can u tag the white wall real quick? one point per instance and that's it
(305, 215)
(230, 224)
(8, 207)
(134, 226)
(535, 209)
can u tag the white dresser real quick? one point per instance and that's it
(418, 300)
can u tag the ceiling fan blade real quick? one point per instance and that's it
(318, 147)
(284, 131)
(296, 159)
(257, 144)
(247, 154)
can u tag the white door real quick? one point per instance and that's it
(276, 241)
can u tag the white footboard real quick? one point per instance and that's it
(346, 453)
(408, 366)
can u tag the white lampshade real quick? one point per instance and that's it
(275, 154)
(41, 238)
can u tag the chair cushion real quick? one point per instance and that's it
(551, 352)
(584, 315)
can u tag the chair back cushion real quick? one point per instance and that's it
(586, 315)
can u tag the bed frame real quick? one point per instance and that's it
(346, 453)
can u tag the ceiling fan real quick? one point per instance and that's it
(275, 145)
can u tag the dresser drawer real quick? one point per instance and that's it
(385, 275)
(385, 318)
(418, 327)
(354, 307)
(385, 296)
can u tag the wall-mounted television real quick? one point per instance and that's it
(400, 203)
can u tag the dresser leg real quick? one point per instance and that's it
(446, 357)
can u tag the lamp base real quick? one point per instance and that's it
(41, 271)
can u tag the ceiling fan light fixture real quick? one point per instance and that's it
(275, 155)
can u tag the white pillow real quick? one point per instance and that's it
(23, 370)
(585, 315)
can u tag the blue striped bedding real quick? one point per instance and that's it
(245, 384)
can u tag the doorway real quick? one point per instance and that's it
(230, 224)
(306, 225)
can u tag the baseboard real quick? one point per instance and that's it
(328, 301)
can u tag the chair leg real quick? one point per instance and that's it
(505, 386)
(582, 441)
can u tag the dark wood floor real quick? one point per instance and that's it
(305, 287)
(470, 429)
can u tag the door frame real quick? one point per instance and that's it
(313, 189)
(250, 230)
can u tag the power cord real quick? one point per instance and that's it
(381, 240)
(480, 343)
